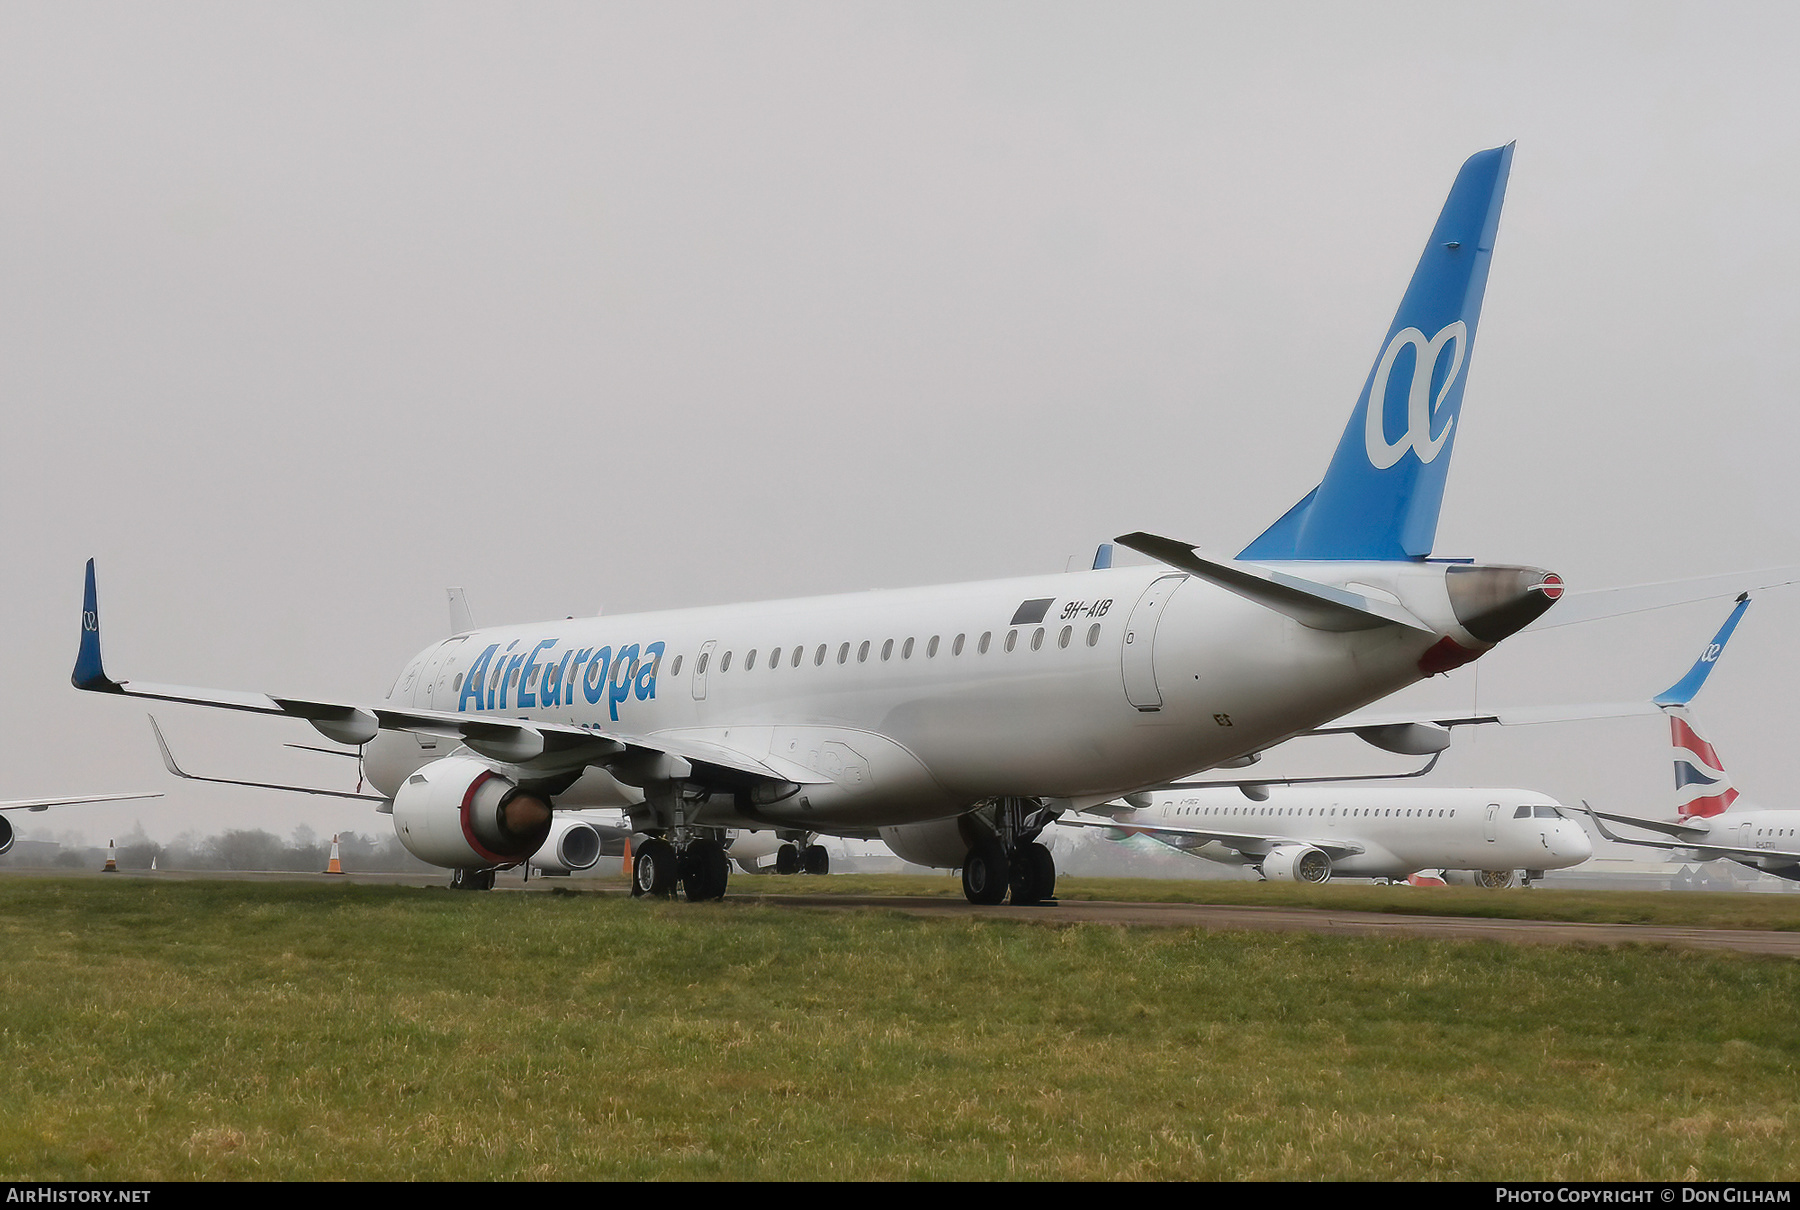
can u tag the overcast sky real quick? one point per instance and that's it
(308, 311)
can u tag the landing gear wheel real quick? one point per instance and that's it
(985, 873)
(655, 870)
(787, 860)
(1033, 874)
(704, 871)
(815, 860)
(471, 880)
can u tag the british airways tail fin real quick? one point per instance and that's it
(1381, 494)
(1702, 787)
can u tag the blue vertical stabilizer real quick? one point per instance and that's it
(1381, 494)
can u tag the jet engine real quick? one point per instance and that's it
(1493, 880)
(1296, 863)
(462, 814)
(942, 843)
(573, 845)
(6, 834)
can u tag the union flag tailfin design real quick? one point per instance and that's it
(1702, 787)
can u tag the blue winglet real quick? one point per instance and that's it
(1682, 691)
(90, 673)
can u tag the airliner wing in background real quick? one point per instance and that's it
(1250, 844)
(545, 746)
(44, 804)
(1415, 733)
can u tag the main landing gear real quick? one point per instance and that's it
(699, 868)
(472, 880)
(802, 855)
(1024, 868)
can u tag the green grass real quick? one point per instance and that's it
(177, 1030)
(1690, 909)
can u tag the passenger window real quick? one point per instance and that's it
(1094, 635)
(862, 653)
(1012, 639)
(1037, 639)
(749, 660)
(700, 668)
(819, 656)
(457, 683)
(675, 668)
(725, 664)
(1063, 639)
(986, 637)
(775, 658)
(843, 653)
(956, 647)
(906, 650)
(887, 649)
(800, 651)
(931, 648)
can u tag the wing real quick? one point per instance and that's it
(44, 804)
(545, 747)
(1372, 727)
(1248, 843)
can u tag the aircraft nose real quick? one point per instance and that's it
(1573, 841)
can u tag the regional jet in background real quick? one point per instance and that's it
(1289, 833)
(957, 722)
(1317, 833)
(7, 835)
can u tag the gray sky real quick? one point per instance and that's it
(307, 311)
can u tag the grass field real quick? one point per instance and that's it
(194, 1029)
(1733, 910)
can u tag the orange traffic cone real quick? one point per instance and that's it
(627, 866)
(112, 867)
(334, 866)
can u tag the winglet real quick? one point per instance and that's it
(1683, 691)
(90, 673)
(1103, 556)
(163, 745)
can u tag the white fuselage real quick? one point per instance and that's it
(915, 704)
(1400, 830)
(1777, 831)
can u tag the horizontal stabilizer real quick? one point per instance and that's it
(1320, 606)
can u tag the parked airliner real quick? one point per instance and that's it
(1313, 833)
(958, 721)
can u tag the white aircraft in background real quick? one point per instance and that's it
(1312, 833)
(7, 836)
(957, 722)
(1316, 833)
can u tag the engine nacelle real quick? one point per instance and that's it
(461, 814)
(6, 834)
(942, 843)
(1493, 880)
(1296, 863)
(573, 845)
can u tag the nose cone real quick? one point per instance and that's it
(1493, 602)
(1571, 843)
